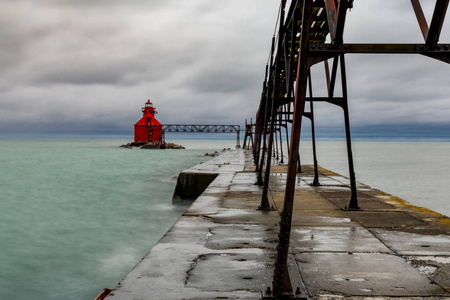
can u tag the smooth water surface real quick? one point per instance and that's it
(418, 172)
(77, 215)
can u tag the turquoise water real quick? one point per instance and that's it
(77, 215)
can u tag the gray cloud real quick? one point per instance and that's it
(91, 65)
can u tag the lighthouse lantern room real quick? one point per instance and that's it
(148, 129)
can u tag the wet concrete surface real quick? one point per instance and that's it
(223, 247)
(363, 274)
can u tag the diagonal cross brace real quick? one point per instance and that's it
(336, 19)
(431, 34)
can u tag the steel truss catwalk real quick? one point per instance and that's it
(204, 129)
(201, 128)
(311, 32)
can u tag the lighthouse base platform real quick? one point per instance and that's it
(145, 145)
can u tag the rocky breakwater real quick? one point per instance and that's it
(144, 145)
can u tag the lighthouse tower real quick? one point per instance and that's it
(148, 129)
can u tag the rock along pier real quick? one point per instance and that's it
(223, 247)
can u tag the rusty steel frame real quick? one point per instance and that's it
(301, 42)
(248, 134)
(273, 92)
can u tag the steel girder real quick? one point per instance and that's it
(302, 42)
(201, 128)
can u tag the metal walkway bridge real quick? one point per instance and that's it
(310, 32)
(204, 128)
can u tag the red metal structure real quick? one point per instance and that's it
(148, 129)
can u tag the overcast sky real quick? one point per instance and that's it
(89, 66)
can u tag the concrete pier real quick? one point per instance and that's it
(224, 248)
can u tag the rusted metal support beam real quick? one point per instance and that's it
(248, 135)
(281, 280)
(264, 199)
(436, 22)
(281, 140)
(288, 108)
(275, 140)
(291, 16)
(264, 146)
(380, 48)
(336, 19)
(327, 75)
(321, 52)
(313, 133)
(353, 205)
(341, 15)
(333, 78)
(420, 18)
(268, 93)
(290, 63)
(257, 141)
(259, 126)
(238, 139)
(330, 7)
(334, 100)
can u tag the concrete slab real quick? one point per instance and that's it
(242, 236)
(315, 220)
(238, 199)
(326, 181)
(335, 239)
(215, 191)
(384, 219)
(406, 243)
(341, 199)
(245, 188)
(363, 274)
(204, 205)
(247, 216)
(436, 268)
(224, 248)
(245, 178)
(305, 200)
(243, 272)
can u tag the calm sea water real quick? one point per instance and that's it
(77, 215)
(418, 172)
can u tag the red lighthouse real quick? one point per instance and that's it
(148, 129)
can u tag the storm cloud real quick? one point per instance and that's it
(84, 67)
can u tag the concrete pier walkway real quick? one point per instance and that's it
(224, 248)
